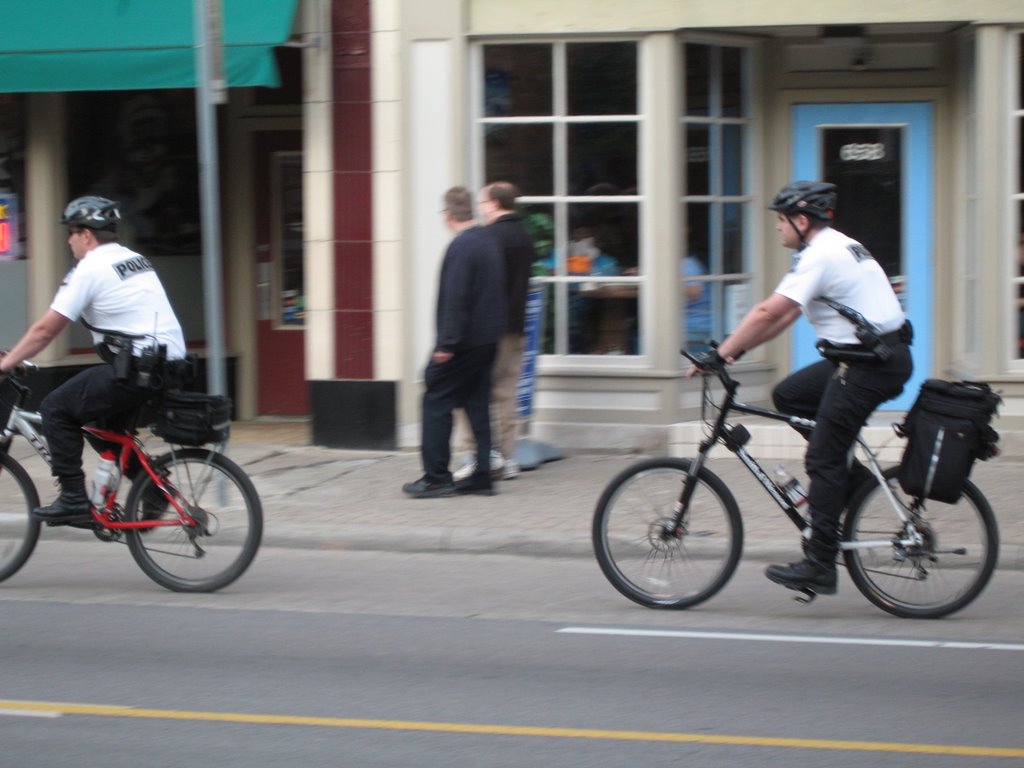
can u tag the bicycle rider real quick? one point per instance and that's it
(828, 267)
(113, 289)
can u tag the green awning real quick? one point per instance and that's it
(109, 45)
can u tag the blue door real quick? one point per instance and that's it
(880, 156)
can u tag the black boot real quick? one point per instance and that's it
(817, 575)
(71, 506)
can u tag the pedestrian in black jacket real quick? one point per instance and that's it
(470, 320)
(497, 206)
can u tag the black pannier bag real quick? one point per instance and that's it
(947, 430)
(192, 418)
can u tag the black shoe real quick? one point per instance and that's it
(481, 485)
(429, 489)
(807, 575)
(67, 508)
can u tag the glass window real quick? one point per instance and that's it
(1016, 280)
(13, 251)
(12, 178)
(139, 148)
(286, 176)
(715, 269)
(561, 121)
(517, 80)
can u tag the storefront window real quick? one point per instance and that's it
(139, 148)
(715, 267)
(561, 122)
(13, 251)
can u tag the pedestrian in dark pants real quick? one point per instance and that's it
(847, 297)
(470, 320)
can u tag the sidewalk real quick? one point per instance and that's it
(340, 499)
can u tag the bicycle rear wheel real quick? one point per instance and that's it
(18, 531)
(222, 499)
(952, 561)
(643, 557)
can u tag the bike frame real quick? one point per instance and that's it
(29, 423)
(734, 437)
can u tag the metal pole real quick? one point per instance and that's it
(209, 196)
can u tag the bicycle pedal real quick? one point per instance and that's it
(85, 521)
(806, 596)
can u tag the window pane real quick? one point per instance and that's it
(602, 154)
(12, 179)
(517, 80)
(732, 238)
(601, 78)
(732, 159)
(732, 82)
(1019, 292)
(287, 177)
(603, 319)
(698, 168)
(603, 238)
(1020, 72)
(698, 79)
(696, 302)
(697, 240)
(539, 221)
(139, 148)
(521, 154)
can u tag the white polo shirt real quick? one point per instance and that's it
(116, 289)
(839, 268)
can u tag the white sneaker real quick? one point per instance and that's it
(511, 471)
(466, 470)
(469, 467)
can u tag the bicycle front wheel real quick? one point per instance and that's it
(931, 566)
(228, 514)
(18, 531)
(641, 552)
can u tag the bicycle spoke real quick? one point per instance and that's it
(639, 549)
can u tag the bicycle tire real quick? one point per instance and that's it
(218, 493)
(944, 575)
(646, 563)
(19, 531)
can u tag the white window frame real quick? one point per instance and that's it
(1015, 195)
(749, 119)
(560, 200)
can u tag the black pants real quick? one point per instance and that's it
(462, 382)
(840, 399)
(92, 397)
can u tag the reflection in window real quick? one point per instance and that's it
(714, 269)
(139, 148)
(561, 122)
(286, 176)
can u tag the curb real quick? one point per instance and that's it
(482, 541)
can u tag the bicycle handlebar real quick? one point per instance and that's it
(722, 373)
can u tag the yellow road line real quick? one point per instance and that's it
(103, 710)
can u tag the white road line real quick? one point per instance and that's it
(685, 635)
(28, 713)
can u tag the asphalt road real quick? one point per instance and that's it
(375, 659)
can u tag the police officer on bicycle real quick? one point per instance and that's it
(120, 299)
(863, 335)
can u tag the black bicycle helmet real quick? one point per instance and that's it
(91, 212)
(816, 199)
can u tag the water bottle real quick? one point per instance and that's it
(790, 486)
(105, 479)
